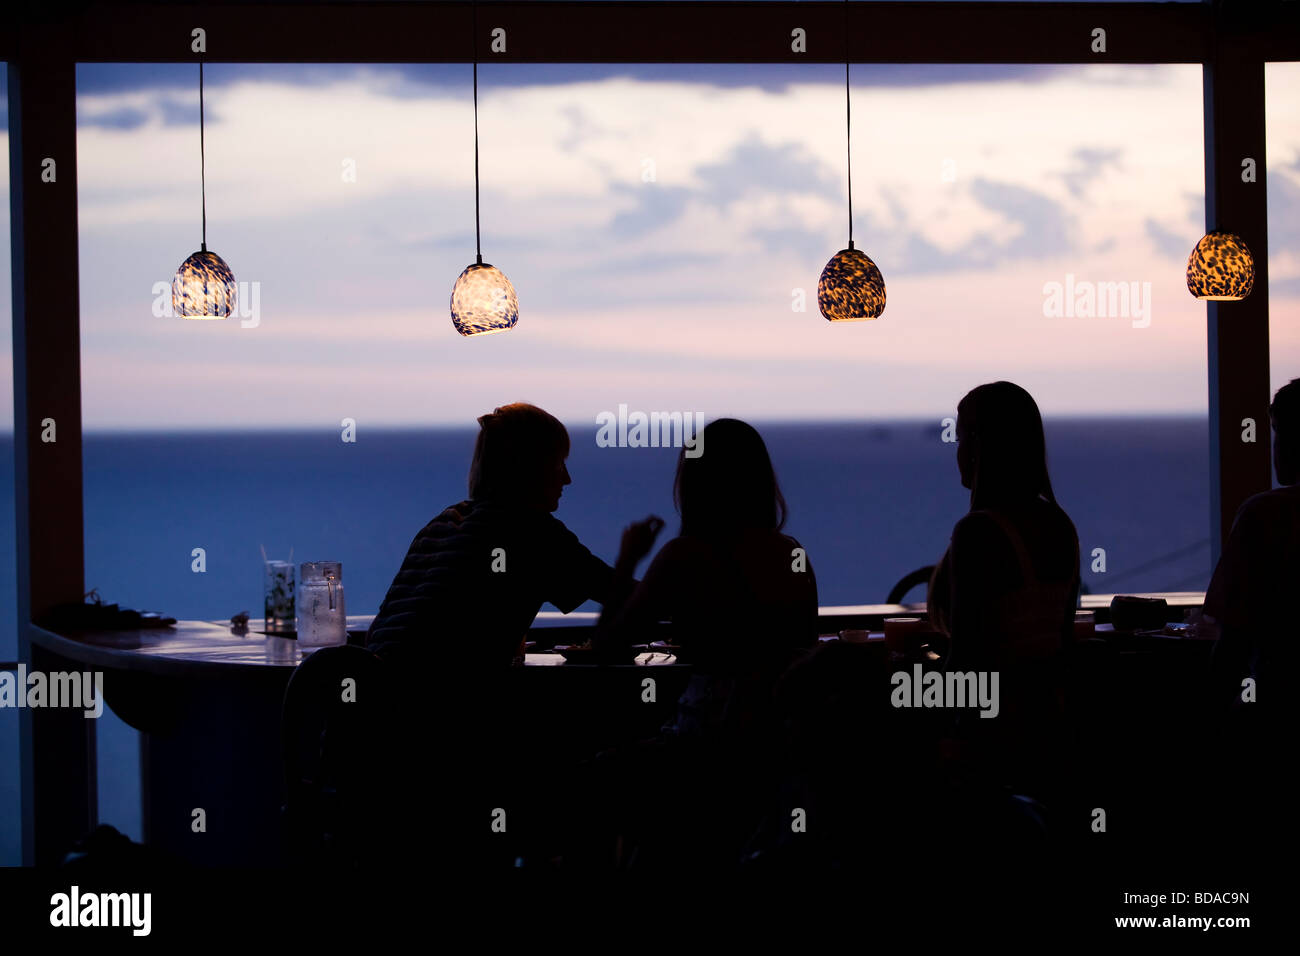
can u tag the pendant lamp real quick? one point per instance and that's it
(851, 288)
(1220, 268)
(482, 300)
(203, 287)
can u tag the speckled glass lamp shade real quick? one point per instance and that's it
(203, 288)
(1221, 268)
(851, 288)
(483, 301)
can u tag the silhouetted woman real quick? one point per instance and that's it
(1005, 591)
(742, 600)
(740, 594)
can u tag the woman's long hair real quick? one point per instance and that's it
(1010, 450)
(731, 485)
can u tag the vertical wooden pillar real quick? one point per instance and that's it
(57, 746)
(1238, 331)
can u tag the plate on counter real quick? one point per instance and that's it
(585, 654)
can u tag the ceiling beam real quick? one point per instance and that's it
(640, 32)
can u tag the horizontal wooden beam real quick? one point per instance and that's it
(647, 32)
(562, 31)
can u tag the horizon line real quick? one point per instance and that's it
(153, 429)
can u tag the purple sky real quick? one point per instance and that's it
(658, 224)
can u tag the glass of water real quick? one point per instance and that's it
(321, 616)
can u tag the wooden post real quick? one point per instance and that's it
(1238, 331)
(57, 745)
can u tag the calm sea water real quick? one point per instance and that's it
(870, 502)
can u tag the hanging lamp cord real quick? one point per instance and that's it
(848, 125)
(203, 186)
(478, 236)
(1216, 46)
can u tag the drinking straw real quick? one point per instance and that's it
(263, 547)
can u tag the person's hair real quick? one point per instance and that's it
(731, 485)
(1011, 460)
(1285, 411)
(515, 444)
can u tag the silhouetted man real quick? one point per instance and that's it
(477, 574)
(471, 780)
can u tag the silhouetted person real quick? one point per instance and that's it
(1252, 593)
(741, 595)
(742, 599)
(1006, 589)
(455, 618)
(475, 576)
(1252, 598)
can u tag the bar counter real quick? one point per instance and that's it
(207, 699)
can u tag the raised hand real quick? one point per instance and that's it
(638, 539)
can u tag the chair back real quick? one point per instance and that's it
(336, 733)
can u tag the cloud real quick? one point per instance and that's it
(185, 112)
(753, 165)
(678, 288)
(1045, 225)
(1087, 166)
(125, 118)
(581, 128)
(1284, 231)
(654, 207)
(1031, 225)
(1284, 211)
(809, 245)
(751, 168)
(169, 110)
(1172, 244)
(415, 80)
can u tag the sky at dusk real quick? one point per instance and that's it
(658, 223)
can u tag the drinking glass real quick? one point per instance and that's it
(279, 597)
(321, 616)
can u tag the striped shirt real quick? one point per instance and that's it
(476, 576)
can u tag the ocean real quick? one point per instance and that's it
(869, 501)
